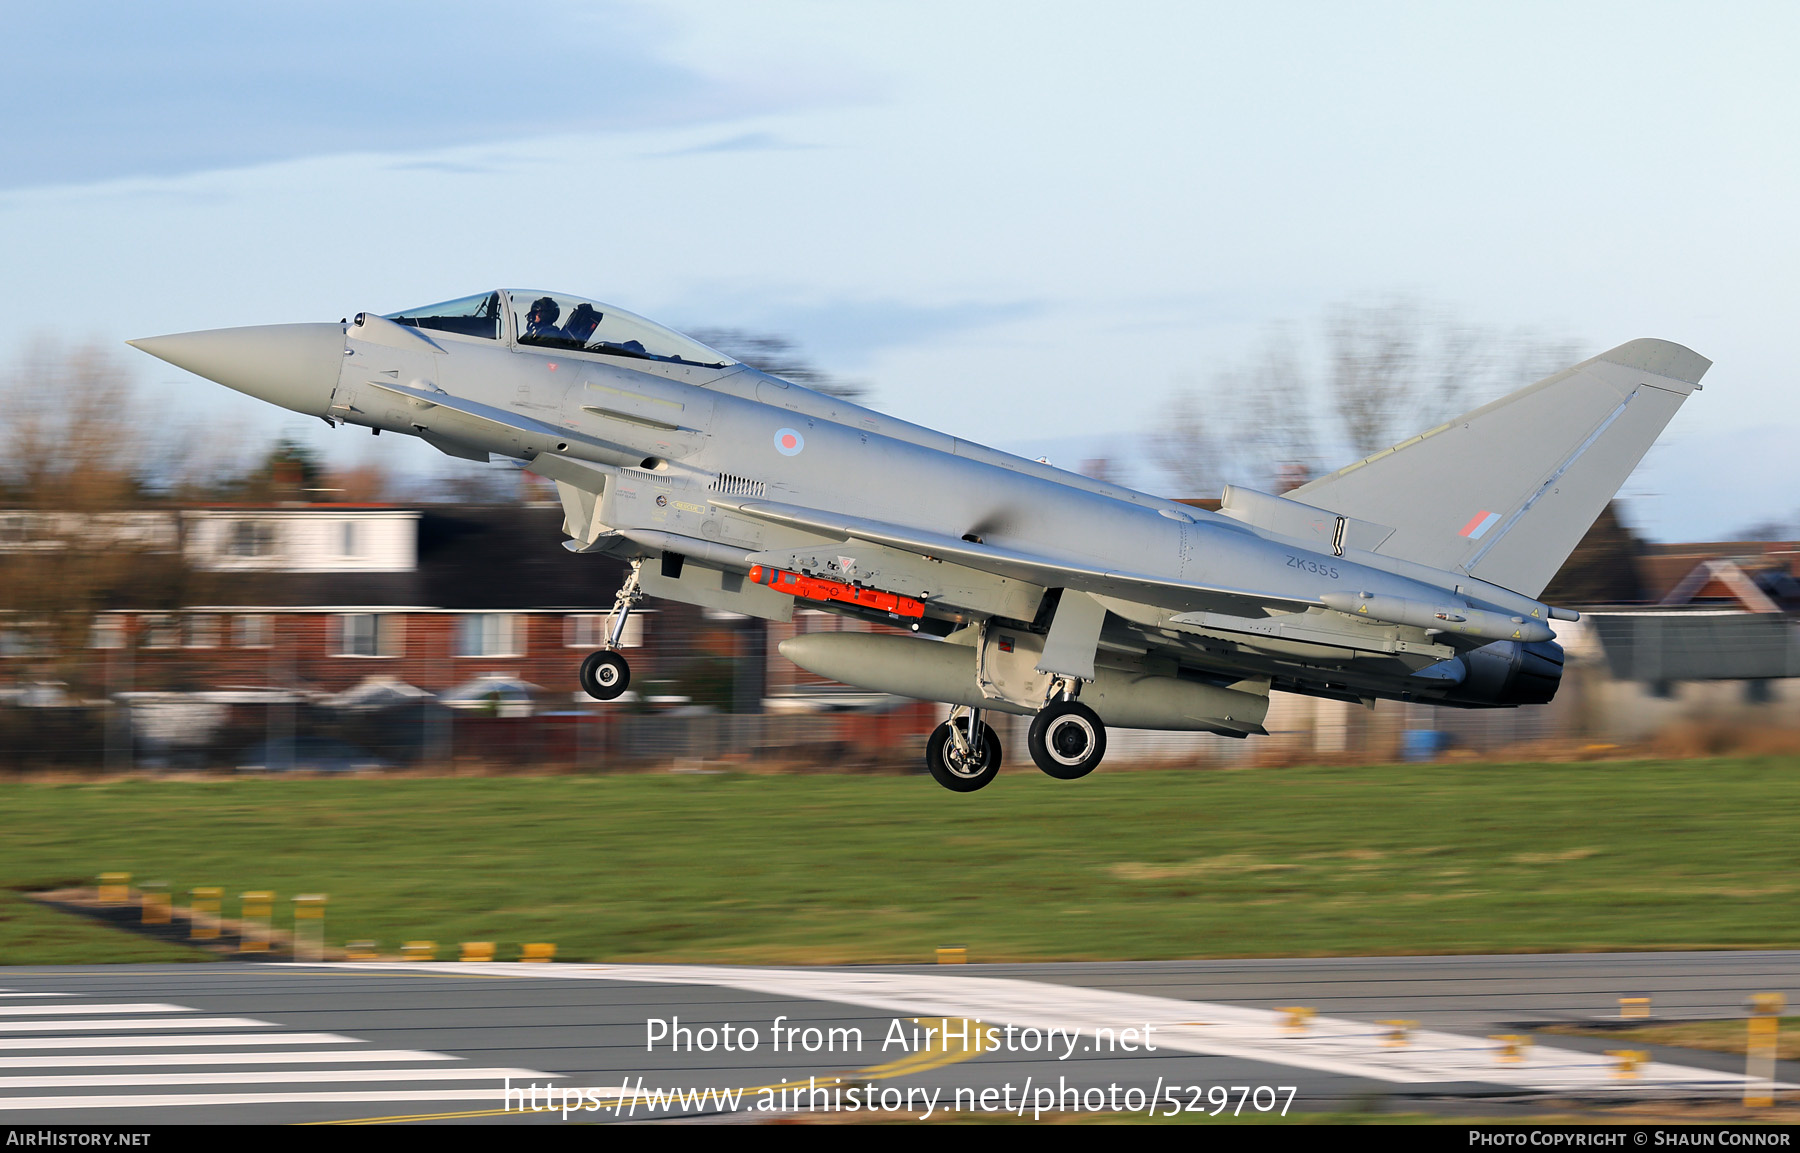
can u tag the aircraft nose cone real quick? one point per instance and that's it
(293, 365)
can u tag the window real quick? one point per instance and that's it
(251, 538)
(202, 631)
(108, 632)
(253, 631)
(347, 541)
(490, 635)
(371, 635)
(589, 630)
(21, 640)
(161, 631)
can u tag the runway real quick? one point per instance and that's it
(391, 1042)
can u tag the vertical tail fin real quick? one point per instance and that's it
(1505, 492)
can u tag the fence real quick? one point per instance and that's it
(284, 735)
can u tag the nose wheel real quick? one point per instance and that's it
(1067, 740)
(958, 763)
(604, 675)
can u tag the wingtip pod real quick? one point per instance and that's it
(1660, 358)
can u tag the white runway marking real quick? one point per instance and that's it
(1328, 1044)
(392, 1075)
(490, 1094)
(312, 1057)
(134, 1023)
(52, 1010)
(176, 1040)
(495, 1078)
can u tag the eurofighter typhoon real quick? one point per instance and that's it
(1012, 586)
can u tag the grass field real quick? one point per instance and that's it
(1368, 860)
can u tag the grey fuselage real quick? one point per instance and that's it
(677, 448)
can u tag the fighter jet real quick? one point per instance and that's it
(1007, 585)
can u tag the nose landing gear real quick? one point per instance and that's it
(604, 673)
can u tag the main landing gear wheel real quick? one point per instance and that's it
(1067, 740)
(959, 771)
(604, 675)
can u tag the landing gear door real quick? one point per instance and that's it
(581, 487)
(1074, 636)
(343, 405)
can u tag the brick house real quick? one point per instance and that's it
(322, 597)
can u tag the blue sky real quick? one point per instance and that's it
(1023, 223)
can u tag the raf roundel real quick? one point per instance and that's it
(789, 442)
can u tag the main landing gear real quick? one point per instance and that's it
(604, 673)
(1067, 739)
(958, 762)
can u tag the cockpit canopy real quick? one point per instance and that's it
(469, 316)
(551, 320)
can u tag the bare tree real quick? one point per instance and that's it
(1381, 370)
(78, 539)
(457, 482)
(71, 437)
(198, 460)
(779, 356)
(1386, 370)
(1398, 367)
(1772, 529)
(367, 483)
(1250, 424)
(1184, 444)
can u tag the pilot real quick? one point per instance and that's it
(582, 323)
(540, 322)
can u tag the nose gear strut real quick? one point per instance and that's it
(604, 673)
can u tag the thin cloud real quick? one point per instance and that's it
(745, 142)
(117, 89)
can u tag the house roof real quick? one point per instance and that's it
(1721, 580)
(508, 557)
(468, 557)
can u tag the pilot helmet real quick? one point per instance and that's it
(544, 310)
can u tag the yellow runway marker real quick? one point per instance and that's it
(1761, 1050)
(1295, 1017)
(920, 1062)
(115, 888)
(203, 912)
